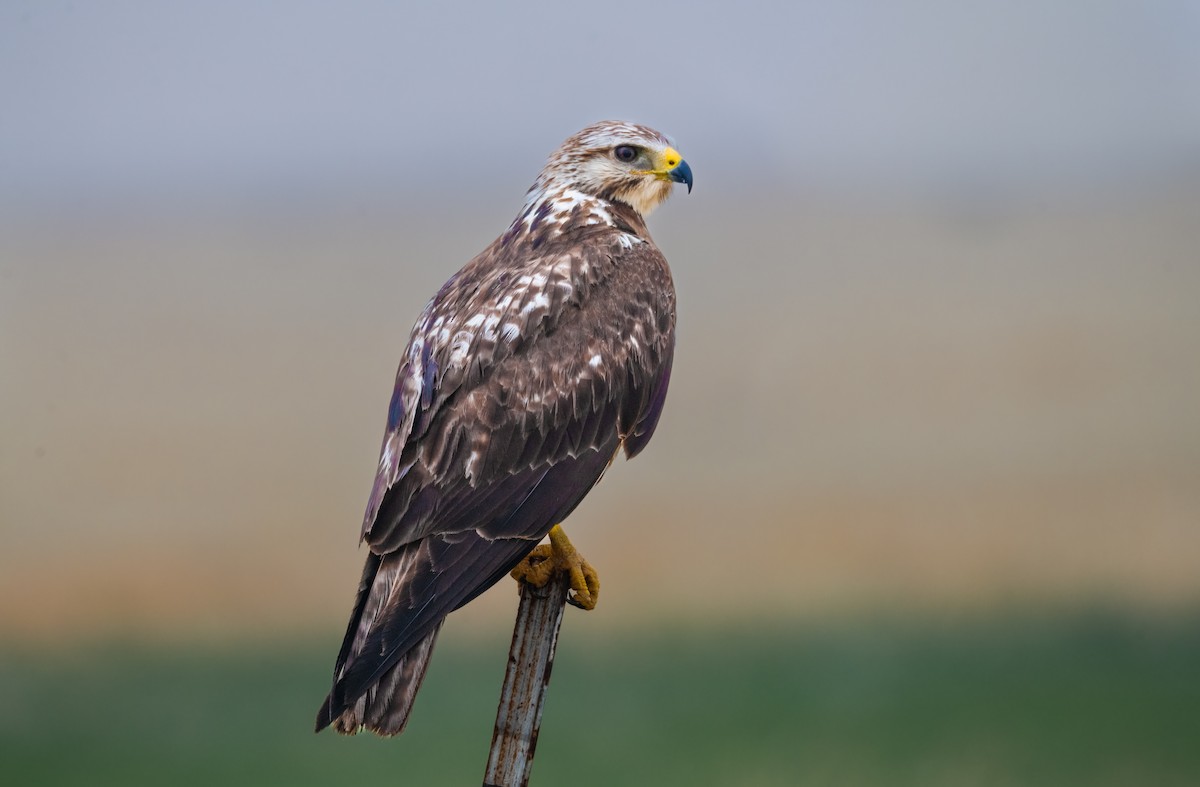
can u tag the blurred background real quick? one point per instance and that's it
(924, 507)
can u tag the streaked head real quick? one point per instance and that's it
(618, 161)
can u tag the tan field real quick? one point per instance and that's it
(918, 408)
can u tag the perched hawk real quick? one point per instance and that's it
(524, 376)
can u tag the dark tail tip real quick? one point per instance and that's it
(325, 715)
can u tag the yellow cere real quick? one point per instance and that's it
(671, 158)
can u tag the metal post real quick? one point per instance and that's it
(530, 659)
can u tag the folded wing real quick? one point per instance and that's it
(520, 383)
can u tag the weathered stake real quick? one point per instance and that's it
(535, 637)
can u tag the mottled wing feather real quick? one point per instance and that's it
(553, 370)
(522, 379)
(647, 421)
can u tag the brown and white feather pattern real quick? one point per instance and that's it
(523, 376)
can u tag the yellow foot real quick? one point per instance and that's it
(559, 555)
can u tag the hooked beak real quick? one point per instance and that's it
(682, 173)
(671, 166)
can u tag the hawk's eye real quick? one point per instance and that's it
(626, 153)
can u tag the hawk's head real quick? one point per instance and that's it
(618, 161)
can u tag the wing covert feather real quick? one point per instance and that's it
(559, 361)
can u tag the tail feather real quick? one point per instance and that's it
(405, 594)
(385, 707)
(353, 707)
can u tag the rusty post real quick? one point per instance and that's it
(535, 637)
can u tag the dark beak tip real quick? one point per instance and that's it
(683, 174)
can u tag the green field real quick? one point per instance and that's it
(1096, 699)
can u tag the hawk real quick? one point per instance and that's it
(524, 376)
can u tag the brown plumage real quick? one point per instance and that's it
(523, 377)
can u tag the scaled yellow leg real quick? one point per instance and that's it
(560, 555)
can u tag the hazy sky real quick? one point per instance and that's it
(127, 96)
